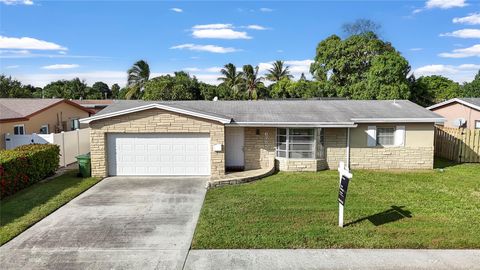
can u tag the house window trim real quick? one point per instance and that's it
(477, 123)
(287, 142)
(377, 138)
(72, 122)
(23, 129)
(45, 126)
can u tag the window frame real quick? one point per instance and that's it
(23, 129)
(44, 126)
(72, 123)
(477, 124)
(377, 136)
(289, 143)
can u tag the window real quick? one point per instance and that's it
(44, 129)
(477, 124)
(296, 142)
(385, 136)
(75, 124)
(19, 130)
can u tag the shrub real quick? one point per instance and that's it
(26, 165)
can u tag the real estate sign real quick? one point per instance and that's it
(345, 177)
(342, 192)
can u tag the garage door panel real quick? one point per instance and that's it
(159, 154)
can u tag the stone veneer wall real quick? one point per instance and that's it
(152, 121)
(259, 149)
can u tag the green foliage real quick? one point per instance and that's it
(361, 67)
(299, 89)
(428, 90)
(115, 91)
(252, 81)
(25, 165)
(472, 89)
(178, 87)
(101, 91)
(138, 76)
(70, 89)
(10, 88)
(278, 72)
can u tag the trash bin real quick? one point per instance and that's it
(84, 165)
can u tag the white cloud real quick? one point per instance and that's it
(178, 10)
(472, 18)
(463, 53)
(445, 4)
(12, 67)
(223, 33)
(213, 69)
(190, 69)
(416, 49)
(256, 27)
(460, 73)
(209, 70)
(60, 66)
(213, 26)
(266, 9)
(17, 2)
(28, 43)
(205, 48)
(296, 67)
(463, 33)
(107, 76)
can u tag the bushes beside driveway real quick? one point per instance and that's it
(26, 165)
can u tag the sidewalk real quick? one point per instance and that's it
(262, 259)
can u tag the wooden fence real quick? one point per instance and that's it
(460, 145)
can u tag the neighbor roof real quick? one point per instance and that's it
(18, 109)
(284, 112)
(469, 102)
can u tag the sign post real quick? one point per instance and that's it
(345, 177)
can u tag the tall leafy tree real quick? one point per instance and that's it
(361, 67)
(360, 27)
(69, 89)
(428, 90)
(102, 90)
(10, 88)
(278, 72)
(231, 77)
(252, 81)
(181, 86)
(472, 89)
(138, 76)
(115, 91)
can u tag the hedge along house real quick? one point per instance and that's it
(212, 137)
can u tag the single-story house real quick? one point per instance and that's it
(94, 105)
(212, 137)
(459, 112)
(20, 116)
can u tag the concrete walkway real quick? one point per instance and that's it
(120, 223)
(263, 259)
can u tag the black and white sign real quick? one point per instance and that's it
(342, 193)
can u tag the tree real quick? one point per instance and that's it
(138, 76)
(360, 27)
(10, 88)
(178, 87)
(231, 77)
(101, 89)
(429, 90)
(361, 67)
(252, 81)
(115, 91)
(72, 89)
(278, 72)
(472, 89)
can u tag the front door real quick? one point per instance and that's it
(234, 143)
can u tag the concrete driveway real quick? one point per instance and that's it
(121, 223)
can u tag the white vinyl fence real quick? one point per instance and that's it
(72, 143)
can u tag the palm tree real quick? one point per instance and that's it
(278, 72)
(138, 75)
(252, 81)
(231, 77)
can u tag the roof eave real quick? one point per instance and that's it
(468, 104)
(398, 120)
(294, 124)
(155, 106)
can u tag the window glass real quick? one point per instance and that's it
(477, 124)
(75, 124)
(18, 130)
(44, 129)
(296, 142)
(385, 136)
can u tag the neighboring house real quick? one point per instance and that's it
(21, 116)
(211, 137)
(94, 105)
(463, 111)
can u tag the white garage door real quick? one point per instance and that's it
(159, 154)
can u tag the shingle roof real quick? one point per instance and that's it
(13, 108)
(470, 102)
(292, 111)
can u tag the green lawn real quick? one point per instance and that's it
(423, 209)
(23, 209)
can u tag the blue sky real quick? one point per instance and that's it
(42, 41)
